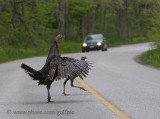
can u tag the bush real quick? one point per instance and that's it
(152, 57)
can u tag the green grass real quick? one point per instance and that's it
(114, 42)
(10, 53)
(69, 47)
(152, 57)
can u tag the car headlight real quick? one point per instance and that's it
(99, 43)
(84, 44)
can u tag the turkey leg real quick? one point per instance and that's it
(64, 84)
(49, 96)
(81, 88)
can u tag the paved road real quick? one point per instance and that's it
(132, 88)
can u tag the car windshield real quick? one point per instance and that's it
(94, 37)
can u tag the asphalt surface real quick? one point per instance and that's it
(132, 88)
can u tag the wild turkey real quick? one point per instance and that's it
(72, 79)
(57, 67)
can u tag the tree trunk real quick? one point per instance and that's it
(18, 21)
(4, 4)
(128, 24)
(90, 20)
(126, 6)
(120, 23)
(104, 22)
(34, 12)
(81, 28)
(67, 23)
(60, 16)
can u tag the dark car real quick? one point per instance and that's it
(94, 42)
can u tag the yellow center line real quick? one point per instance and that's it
(109, 105)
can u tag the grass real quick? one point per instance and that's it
(114, 42)
(152, 57)
(10, 53)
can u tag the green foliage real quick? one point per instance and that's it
(10, 53)
(24, 27)
(125, 19)
(152, 57)
(33, 24)
(80, 8)
(113, 42)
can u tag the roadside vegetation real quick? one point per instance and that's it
(152, 57)
(10, 53)
(28, 27)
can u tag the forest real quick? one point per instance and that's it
(30, 23)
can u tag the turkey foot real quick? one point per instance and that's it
(81, 88)
(65, 94)
(49, 99)
(64, 88)
(49, 96)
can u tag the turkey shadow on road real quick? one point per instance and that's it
(73, 94)
(79, 94)
(72, 101)
(58, 102)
